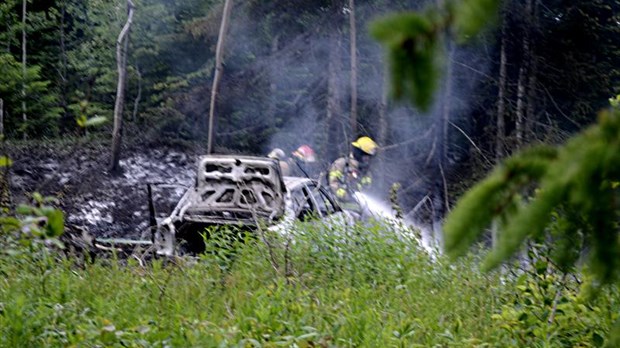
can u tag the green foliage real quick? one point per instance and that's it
(411, 41)
(319, 285)
(545, 309)
(84, 120)
(576, 179)
(471, 16)
(497, 197)
(615, 101)
(413, 44)
(39, 220)
(40, 102)
(5, 161)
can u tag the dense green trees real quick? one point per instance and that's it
(561, 196)
(570, 190)
(287, 78)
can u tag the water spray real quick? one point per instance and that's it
(382, 211)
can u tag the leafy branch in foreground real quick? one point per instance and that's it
(576, 185)
(413, 43)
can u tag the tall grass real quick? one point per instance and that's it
(367, 286)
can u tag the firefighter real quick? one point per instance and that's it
(303, 161)
(279, 155)
(350, 174)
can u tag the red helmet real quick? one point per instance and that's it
(305, 153)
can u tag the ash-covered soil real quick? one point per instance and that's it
(94, 200)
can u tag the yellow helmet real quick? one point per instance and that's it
(367, 145)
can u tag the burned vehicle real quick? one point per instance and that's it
(306, 200)
(242, 191)
(246, 193)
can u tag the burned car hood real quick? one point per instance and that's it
(228, 189)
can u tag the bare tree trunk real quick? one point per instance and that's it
(62, 72)
(271, 110)
(533, 80)
(500, 136)
(121, 65)
(136, 101)
(353, 38)
(523, 77)
(334, 108)
(439, 186)
(24, 117)
(218, 70)
(382, 133)
(520, 112)
(530, 101)
(445, 120)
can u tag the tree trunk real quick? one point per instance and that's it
(273, 88)
(533, 80)
(24, 117)
(500, 135)
(218, 70)
(382, 133)
(439, 190)
(353, 35)
(334, 108)
(524, 77)
(136, 101)
(62, 71)
(121, 65)
(445, 120)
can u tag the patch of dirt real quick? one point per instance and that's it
(93, 200)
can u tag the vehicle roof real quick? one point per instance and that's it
(294, 181)
(260, 158)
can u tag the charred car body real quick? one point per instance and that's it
(246, 192)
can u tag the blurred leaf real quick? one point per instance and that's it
(411, 41)
(24, 209)
(10, 222)
(55, 223)
(471, 16)
(95, 121)
(37, 197)
(81, 121)
(5, 161)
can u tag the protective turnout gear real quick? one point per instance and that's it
(279, 155)
(305, 154)
(303, 162)
(366, 181)
(344, 177)
(367, 145)
(348, 174)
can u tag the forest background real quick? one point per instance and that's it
(309, 72)
(539, 75)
